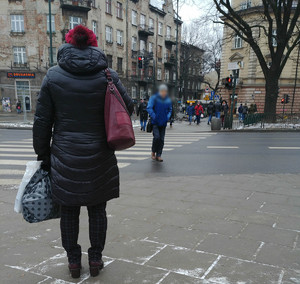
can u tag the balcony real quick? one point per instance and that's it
(170, 82)
(20, 66)
(170, 40)
(145, 30)
(142, 79)
(169, 59)
(76, 5)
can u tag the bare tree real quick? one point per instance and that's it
(273, 23)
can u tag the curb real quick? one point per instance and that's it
(260, 130)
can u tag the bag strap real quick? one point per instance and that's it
(112, 88)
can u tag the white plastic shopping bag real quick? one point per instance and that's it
(31, 168)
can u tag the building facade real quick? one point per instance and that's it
(191, 72)
(240, 60)
(125, 29)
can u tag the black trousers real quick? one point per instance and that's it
(159, 133)
(69, 226)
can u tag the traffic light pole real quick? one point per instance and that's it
(177, 42)
(50, 34)
(232, 101)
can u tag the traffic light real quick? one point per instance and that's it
(140, 63)
(285, 99)
(228, 82)
(146, 62)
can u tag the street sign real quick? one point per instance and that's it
(206, 97)
(207, 90)
(216, 97)
(212, 93)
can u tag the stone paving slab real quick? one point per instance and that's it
(157, 237)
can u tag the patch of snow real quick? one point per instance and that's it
(219, 280)
(192, 272)
(270, 126)
(34, 238)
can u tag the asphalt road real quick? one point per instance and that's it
(223, 153)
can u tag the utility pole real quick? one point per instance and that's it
(296, 75)
(232, 101)
(50, 34)
(177, 39)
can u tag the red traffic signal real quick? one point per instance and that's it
(228, 83)
(282, 100)
(140, 63)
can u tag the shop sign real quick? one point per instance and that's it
(21, 75)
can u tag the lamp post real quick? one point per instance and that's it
(177, 38)
(50, 34)
(296, 75)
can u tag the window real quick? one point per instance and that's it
(151, 23)
(119, 37)
(108, 34)
(108, 6)
(19, 55)
(133, 68)
(94, 27)
(158, 73)
(175, 33)
(237, 41)
(54, 54)
(274, 37)
(142, 91)
(17, 23)
(133, 92)
(159, 51)
(109, 61)
(52, 24)
(134, 43)
(142, 21)
(134, 18)
(119, 10)
(160, 28)
(245, 5)
(150, 71)
(236, 73)
(168, 31)
(119, 64)
(167, 75)
(142, 45)
(150, 47)
(75, 21)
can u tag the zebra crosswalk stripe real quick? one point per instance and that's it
(15, 154)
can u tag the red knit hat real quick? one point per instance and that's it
(81, 37)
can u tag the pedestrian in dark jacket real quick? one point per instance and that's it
(224, 111)
(210, 111)
(198, 111)
(190, 111)
(218, 108)
(160, 110)
(240, 111)
(142, 112)
(84, 169)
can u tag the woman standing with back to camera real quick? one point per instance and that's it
(84, 170)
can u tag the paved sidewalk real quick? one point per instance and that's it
(210, 229)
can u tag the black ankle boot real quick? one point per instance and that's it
(95, 267)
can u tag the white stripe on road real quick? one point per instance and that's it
(14, 162)
(145, 144)
(16, 150)
(15, 146)
(145, 149)
(133, 158)
(284, 148)
(11, 172)
(123, 165)
(8, 155)
(10, 181)
(134, 153)
(222, 147)
(150, 142)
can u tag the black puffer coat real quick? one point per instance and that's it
(84, 170)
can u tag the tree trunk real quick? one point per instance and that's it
(272, 90)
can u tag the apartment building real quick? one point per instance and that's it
(191, 72)
(240, 60)
(125, 29)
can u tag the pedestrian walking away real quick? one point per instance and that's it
(240, 111)
(190, 111)
(210, 111)
(84, 169)
(160, 110)
(198, 111)
(218, 108)
(143, 114)
(245, 111)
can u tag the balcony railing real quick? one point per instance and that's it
(169, 59)
(76, 5)
(170, 40)
(142, 79)
(145, 30)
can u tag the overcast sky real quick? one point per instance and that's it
(189, 12)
